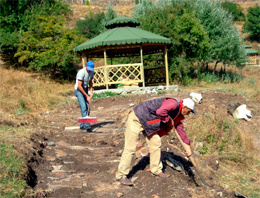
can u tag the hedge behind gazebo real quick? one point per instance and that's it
(123, 40)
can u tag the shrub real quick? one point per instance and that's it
(235, 9)
(252, 24)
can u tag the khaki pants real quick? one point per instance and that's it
(133, 129)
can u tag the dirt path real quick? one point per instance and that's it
(73, 163)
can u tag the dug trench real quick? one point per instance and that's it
(69, 162)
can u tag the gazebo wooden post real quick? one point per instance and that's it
(83, 61)
(166, 65)
(142, 65)
(105, 70)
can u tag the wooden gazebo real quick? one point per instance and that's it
(123, 39)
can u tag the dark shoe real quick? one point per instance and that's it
(125, 181)
(163, 175)
(89, 129)
(85, 127)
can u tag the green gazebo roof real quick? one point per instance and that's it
(122, 21)
(123, 40)
(249, 50)
(122, 36)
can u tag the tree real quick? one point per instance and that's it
(110, 13)
(225, 44)
(93, 25)
(47, 47)
(227, 47)
(15, 18)
(190, 41)
(16, 14)
(252, 24)
(235, 9)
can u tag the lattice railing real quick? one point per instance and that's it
(99, 77)
(116, 74)
(255, 60)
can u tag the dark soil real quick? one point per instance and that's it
(69, 162)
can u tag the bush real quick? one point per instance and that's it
(252, 24)
(190, 41)
(47, 47)
(235, 9)
(92, 25)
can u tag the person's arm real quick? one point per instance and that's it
(186, 142)
(80, 88)
(167, 106)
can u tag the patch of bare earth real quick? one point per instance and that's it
(69, 162)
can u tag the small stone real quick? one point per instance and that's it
(220, 194)
(51, 143)
(119, 194)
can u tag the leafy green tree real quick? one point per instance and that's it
(15, 18)
(16, 14)
(227, 47)
(110, 13)
(47, 47)
(11, 14)
(93, 25)
(252, 24)
(225, 44)
(190, 41)
(235, 9)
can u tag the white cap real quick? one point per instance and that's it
(189, 103)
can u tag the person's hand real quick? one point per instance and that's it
(91, 95)
(188, 152)
(88, 98)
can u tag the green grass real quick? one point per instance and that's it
(12, 172)
(104, 94)
(244, 182)
(223, 137)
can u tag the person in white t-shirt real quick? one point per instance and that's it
(84, 91)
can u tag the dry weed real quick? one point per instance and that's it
(21, 92)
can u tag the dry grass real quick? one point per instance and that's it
(28, 92)
(249, 86)
(22, 97)
(247, 4)
(235, 143)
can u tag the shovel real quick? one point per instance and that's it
(191, 160)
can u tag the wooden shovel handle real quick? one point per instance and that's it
(88, 109)
(191, 159)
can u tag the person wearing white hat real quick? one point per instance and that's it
(84, 91)
(153, 118)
